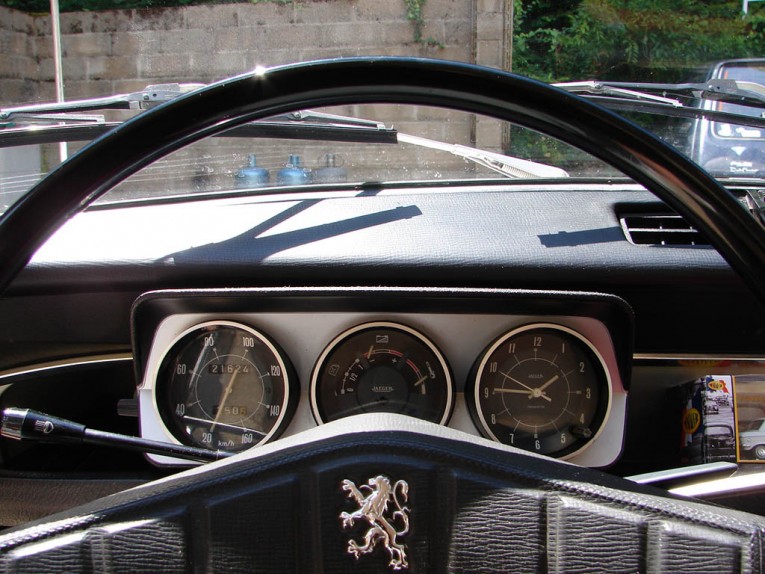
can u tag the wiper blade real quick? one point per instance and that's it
(720, 90)
(620, 105)
(603, 89)
(22, 125)
(508, 166)
(310, 116)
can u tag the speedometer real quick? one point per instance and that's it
(542, 388)
(225, 386)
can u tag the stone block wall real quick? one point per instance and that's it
(120, 51)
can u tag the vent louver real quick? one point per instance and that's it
(667, 229)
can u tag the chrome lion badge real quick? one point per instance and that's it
(373, 499)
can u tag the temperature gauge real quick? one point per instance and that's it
(381, 367)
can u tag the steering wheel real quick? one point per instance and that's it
(420, 497)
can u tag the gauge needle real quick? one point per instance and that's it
(518, 391)
(226, 393)
(228, 426)
(517, 382)
(533, 393)
(419, 382)
(548, 383)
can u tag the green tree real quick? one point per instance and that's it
(538, 26)
(652, 40)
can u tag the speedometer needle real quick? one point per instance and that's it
(226, 393)
(225, 425)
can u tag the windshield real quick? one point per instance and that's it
(719, 430)
(753, 425)
(111, 60)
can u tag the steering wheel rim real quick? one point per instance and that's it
(674, 178)
(152, 512)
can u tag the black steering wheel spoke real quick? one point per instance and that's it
(362, 494)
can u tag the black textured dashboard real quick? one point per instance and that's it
(550, 238)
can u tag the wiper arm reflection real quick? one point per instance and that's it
(508, 166)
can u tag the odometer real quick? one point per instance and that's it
(225, 386)
(543, 388)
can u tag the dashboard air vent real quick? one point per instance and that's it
(661, 229)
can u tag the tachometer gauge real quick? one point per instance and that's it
(381, 367)
(542, 388)
(225, 386)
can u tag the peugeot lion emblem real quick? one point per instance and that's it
(386, 525)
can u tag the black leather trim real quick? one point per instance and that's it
(474, 506)
(26, 499)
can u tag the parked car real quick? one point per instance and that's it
(724, 148)
(720, 442)
(752, 437)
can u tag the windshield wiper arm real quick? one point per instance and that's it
(721, 90)
(66, 121)
(506, 165)
(604, 89)
(149, 97)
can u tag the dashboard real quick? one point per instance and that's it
(551, 379)
(103, 302)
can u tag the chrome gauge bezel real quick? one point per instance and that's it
(343, 336)
(473, 387)
(290, 382)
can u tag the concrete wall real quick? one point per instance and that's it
(113, 51)
(120, 51)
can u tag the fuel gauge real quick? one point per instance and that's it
(381, 367)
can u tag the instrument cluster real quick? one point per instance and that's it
(548, 384)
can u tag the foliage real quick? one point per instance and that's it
(538, 26)
(651, 40)
(414, 13)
